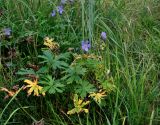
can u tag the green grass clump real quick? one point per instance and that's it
(116, 82)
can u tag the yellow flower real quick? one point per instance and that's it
(33, 87)
(79, 105)
(51, 44)
(98, 96)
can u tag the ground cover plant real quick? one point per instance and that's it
(79, 62)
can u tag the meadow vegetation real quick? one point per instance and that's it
(79, 62)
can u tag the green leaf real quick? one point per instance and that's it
(51, 85)
(74, 74)
(108, 86)
(54, 62)
(26, 72)
(63, 56)
(84, 88)
(47, 57)
(43, 69)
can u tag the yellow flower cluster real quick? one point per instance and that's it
(79, 105)
(51, 44)
(33, 87)
(98, 96)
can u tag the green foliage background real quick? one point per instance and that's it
(132, 55)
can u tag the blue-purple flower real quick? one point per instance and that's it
(60, 9)
(71, 1)
(7, 31)
(86, 45)
(103, 36)
(53, 13)
(63, 1)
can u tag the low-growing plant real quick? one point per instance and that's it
(60, 73)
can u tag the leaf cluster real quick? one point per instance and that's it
(58, 73)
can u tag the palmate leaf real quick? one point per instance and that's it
(42, 70)
(59, 64)
(63, 56)
(51, 85)
(23, 72)
(54, 61)
(47, 57)
(26, 72)
(74, 74)
(84, 88)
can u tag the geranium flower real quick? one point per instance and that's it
(7, 31)
(71, 1)
(63, 1)
(53, 13)
(103, 36)
(86, 45)
(60, 9)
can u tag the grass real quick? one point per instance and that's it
(132, 56)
